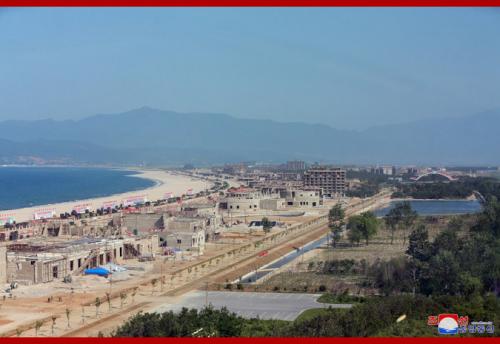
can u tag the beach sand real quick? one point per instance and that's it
(166, 182)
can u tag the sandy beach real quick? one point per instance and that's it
(167, 183)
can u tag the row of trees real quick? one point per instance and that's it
(457, 189)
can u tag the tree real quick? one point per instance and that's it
(97, 304)
(123, 296)
(153, 284)
(408, 217)
(363, 226)
(266, 225)
(419, 247)
(392, 220)
(53, 318)
(68, 313)
(38, 325)
(336, 222)
(134, 292)
(108, 300)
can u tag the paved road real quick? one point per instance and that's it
(283, 306)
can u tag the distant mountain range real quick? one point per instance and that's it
(158, 137)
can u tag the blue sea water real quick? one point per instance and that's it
(31, 186)
(437, 207)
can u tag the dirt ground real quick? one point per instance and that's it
(82, 308)
(299, 275)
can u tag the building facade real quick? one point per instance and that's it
(331, 181)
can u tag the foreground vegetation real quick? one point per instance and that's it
(375, 317)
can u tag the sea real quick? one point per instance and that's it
(437, 207)
(22, 187)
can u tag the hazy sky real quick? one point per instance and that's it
(349, 68)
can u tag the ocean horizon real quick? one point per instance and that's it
(28, 186)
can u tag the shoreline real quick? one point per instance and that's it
(165, 182)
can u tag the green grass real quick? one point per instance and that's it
(341, 298)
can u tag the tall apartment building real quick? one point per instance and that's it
(331, 181)
(295, 165)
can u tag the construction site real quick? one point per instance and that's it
(86, 281)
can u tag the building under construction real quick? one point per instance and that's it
(40, 261)
(331, 181)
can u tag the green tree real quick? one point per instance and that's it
(419, 247)
(392, 220)
(266, 225)
(408, 217)
(363, 226)
(336, 222)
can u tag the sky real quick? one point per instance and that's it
(349, 68)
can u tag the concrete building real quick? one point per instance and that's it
(384, 170)
(3, 263)
(241, 200)
(185, 233)
(331, 181)
(143, 223)
(31, 262)
(295, 165)
(208, 212)
(302, 198)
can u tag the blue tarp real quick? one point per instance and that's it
(97, 271)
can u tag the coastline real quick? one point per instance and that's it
(165, 182)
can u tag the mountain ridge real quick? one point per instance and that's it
(219, 138)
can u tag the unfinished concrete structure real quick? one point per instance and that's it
(41, 261)
(185, 233)
(331, 181)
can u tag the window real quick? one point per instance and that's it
(121, 251)
(179, 241)
(79, 262)
(71, 265)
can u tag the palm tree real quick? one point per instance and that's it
(68, 313)
(133, 294)
(97, 305)
(54, 318)
(108, 300)
(123, 296)
(153, 284)
(38, 324)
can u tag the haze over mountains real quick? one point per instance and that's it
(158, 137)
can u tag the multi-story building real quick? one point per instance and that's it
(331, 181)
(295, 166)
(384, 170)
